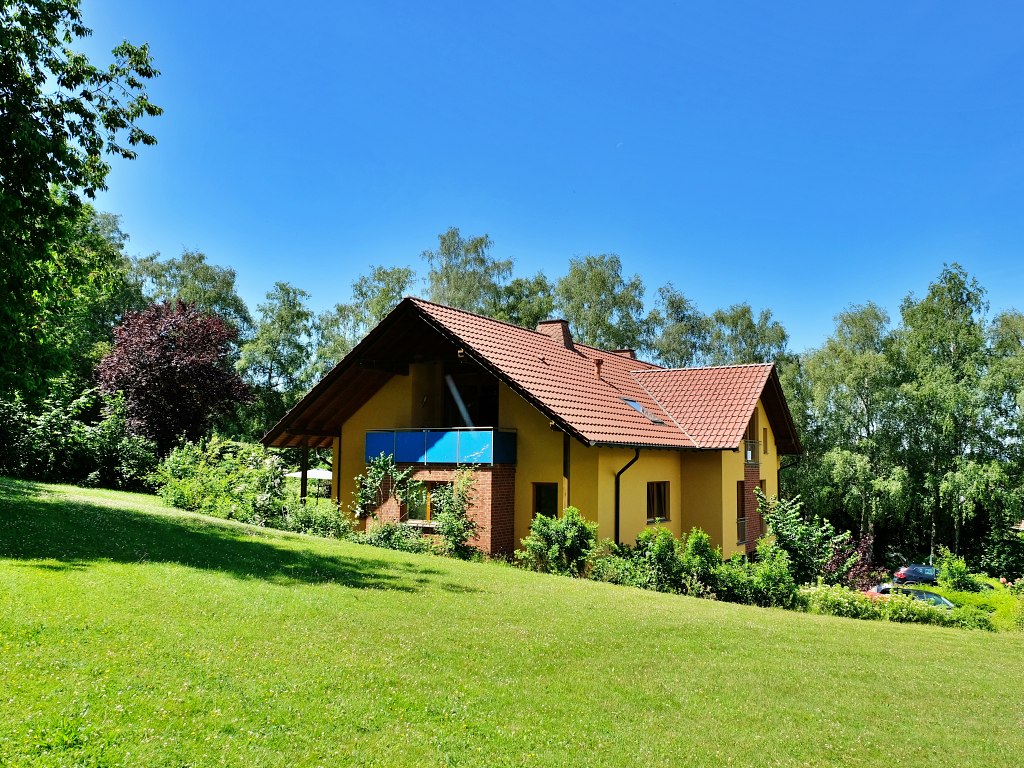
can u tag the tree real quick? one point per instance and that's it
(684, 330)
(190, 279)
(60, 115)
(523, 301)
(463, 274)
(172, 364)
(373, 297)
(940, 356)
(74, 332)
(603, 308)
(276, 360)
(737, 338)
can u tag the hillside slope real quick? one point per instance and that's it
(132, 634)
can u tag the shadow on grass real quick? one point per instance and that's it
(59, 534)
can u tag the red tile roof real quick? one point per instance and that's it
(694, 408)
(564, 382)
(712, 405)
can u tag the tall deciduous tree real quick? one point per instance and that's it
(60, 116)
(523, 301)
(193, 280)
(738, 337)
(685, 331)
(603, 308)
(276, 359)
(172, 364)
(463, 274)
(373, 297)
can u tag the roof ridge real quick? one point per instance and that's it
(534, 331)
(417, 299)
(709, 367)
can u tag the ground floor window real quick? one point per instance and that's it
(545, 499)
(657, 501)
(421, 509)
(741, 513)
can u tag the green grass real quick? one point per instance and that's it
(132, 634)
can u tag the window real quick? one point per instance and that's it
(655, 419)
(421, 510)
(657, 501)
(750, 441)
(741, 513)
(545, 499)
(764, 443)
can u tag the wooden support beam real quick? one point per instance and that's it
(304, 468)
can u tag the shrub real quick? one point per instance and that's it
(222, 478)
(809, 545)
(699, 559)
(773, 584)
(656, 560)
(904, 609)
(733, 581)
(954, 574)
(836, 600)
(559, 544)
(451, 516)
(122, 460)
(971, 617)
(403, 538)
(74, 437)
(326, 519)
(613, 564)
(1018, 614)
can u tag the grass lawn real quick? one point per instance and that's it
(136, 635)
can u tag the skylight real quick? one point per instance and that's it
(640, 409)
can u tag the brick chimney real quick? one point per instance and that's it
(557, 330)
(630, 353)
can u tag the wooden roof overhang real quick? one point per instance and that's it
(386, 351)
(787, 441)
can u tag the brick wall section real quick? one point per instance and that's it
(503, 509)
(492, 505)
(755, 526)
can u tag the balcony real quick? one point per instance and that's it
(443, 446)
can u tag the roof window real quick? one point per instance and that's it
(640, 409)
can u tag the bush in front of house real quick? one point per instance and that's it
(323, 518)
(402, 538)
(766, 581)
(814, 547)
(452, 523)
(223, 478)
(560, 545)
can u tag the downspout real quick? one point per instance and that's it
(619, 474)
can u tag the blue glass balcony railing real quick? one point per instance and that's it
(443, 446)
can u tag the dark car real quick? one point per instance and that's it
(915, 573)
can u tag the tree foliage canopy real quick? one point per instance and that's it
(172, 362)
(60, 116)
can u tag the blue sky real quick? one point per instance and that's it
(799, 156)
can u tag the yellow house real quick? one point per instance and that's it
(548, 423)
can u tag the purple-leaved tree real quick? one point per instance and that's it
(172, 362)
